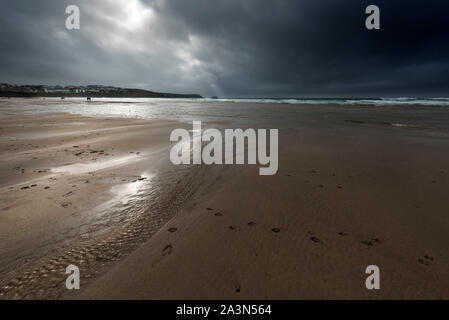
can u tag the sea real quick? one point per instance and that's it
(420, 116)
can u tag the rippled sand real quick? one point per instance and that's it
(102, 195)
(88, 196)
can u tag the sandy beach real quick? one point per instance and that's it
(101, 193)
(333, 209)
(70, 181)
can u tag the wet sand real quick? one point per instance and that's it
(100, 193)
(79, 190)
(335, 207)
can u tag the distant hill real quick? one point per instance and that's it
(98, 91)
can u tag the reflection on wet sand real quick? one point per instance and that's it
(86, 198)
(346, 194)
(80, 168)
(115, 229)
(134, 190)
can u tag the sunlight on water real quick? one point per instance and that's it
(80, 168)
(124, 193)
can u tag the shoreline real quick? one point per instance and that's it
(140, 228)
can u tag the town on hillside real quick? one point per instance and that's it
(12, 90)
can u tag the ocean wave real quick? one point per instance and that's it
(347, 101)
(385, 101)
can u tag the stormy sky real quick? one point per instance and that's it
(230, 48)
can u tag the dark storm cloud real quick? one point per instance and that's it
(231, 48)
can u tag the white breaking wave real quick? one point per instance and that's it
(314, 101)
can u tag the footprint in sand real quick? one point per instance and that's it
(426, 260)
(66, 204)
(316, 240)
(168, 249)
(371, 242)
(428, 257)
